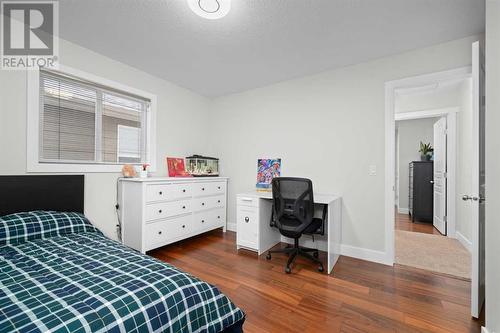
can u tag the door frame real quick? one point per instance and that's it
(390, 146)
(451, 157)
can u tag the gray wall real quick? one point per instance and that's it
(410, 133)
(492, 165)
(329, 127)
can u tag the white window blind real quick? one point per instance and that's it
(84, 122)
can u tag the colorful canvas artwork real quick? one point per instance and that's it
(176, 167)
(267, 169)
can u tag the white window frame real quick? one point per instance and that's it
(33, 163)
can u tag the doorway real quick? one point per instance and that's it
(465, 202)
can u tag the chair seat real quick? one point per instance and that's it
(288, 227)
(314, 226)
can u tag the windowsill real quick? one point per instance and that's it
(78, 168)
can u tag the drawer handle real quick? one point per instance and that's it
(160, 193)
(218, 217)
(183, 225)
(202, 221)
(247, 219)
(184, 191)
(159, 211)
(218, 201)
(246, 199)
(218, 187)
(159, 232)
(203, 189)
(183, 207)
(203, 204)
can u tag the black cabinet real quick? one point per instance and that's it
(421, 192)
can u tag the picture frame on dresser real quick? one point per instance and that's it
(155, 212)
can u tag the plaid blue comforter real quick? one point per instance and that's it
(81, 281)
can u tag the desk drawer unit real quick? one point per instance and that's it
(155, 212)
(247, 234)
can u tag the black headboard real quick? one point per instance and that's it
(63, 193)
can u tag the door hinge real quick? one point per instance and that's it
(445, 218)
(445, 174)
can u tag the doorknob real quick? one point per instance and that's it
(466, 197)
(432, 182)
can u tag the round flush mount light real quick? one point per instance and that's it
(210, 9)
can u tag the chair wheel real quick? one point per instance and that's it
(288, 270)
(320, 268)
(315, 254)
(268, 256)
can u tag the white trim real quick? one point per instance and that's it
(464, 241)
(425, 113)
(403, 210)
(231, 226)
(484, 330)
(390, 87)
(33, 122)
(365, 254)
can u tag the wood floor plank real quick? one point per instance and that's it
(360, 296)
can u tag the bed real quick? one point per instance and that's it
(59, 273)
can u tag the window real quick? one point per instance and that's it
(82, 122)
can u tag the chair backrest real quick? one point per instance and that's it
(293, 199)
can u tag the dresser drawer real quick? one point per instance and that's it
(209, 202)
(162, 210)
(247, 227)
(208, 220)
(209, 188)
(167, 192)
(166, 231)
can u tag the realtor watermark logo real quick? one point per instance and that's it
(29, 37)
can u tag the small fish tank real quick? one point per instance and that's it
(202, 166)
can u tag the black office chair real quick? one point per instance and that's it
(293, 215)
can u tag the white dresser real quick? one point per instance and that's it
(158, 211)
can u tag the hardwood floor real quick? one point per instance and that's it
(360, 296)
(403, 222)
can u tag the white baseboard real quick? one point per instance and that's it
(231, 226)
(464, 241)
(403, 210)
(365, 254)
(484, 330)
(345, 250)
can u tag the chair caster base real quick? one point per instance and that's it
(268, 256)
(315, 254)
(320, 268)
(288, 270)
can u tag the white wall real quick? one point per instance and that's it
(410, 134)
(464, 165)
(492, 165)
(328, 127)
(181, 117)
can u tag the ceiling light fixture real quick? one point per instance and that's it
(210, 9)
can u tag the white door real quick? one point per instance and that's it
(439, 218)
(476, 198)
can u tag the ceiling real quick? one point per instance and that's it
(261, 41)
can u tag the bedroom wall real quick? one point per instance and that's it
(410, 134)
(180, 114)
(492, 165)
(328, 127)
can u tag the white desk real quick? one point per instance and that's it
(255, 233)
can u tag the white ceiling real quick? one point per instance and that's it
(261, 41)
